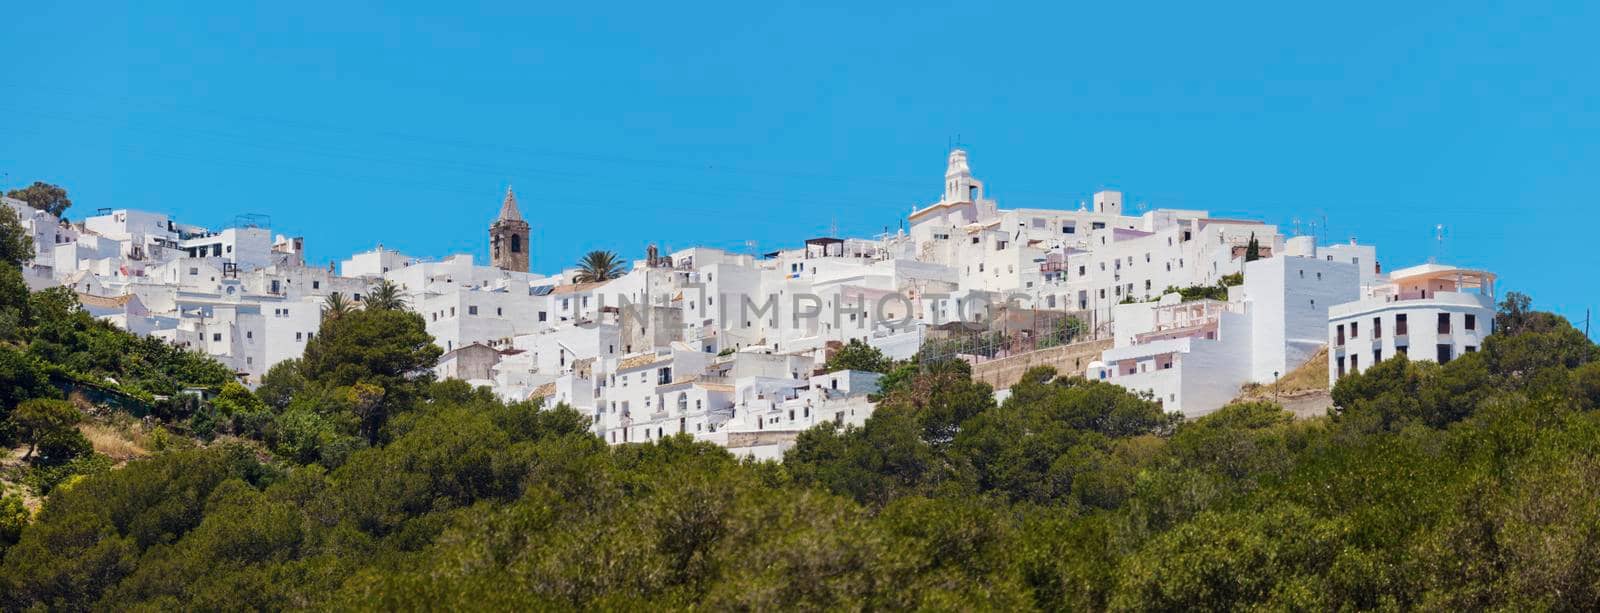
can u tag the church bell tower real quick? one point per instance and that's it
(508, 237)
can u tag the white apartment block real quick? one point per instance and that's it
(1431, 312)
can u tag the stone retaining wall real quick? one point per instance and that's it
(1068, 360)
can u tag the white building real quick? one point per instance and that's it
(1194, 357)
(727, 347)
(1430, 312)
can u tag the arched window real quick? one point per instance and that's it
(683, 402)
(516, 243)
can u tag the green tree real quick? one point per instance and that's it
(13, 518)
(385, 295)
(16, 246)
(389, 350)
(336, 306)
(1513, 313)
(1252, 250)
(21, 379)
(38, 420)
(43, 196)
(597, 266)
(280, 384)
(857, 355)
(245, 413)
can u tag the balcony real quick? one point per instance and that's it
(1381, 300)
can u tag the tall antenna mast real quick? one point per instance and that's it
(1438, 243)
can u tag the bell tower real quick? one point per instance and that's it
(508, 237)
(959, 185)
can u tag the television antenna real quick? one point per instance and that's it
(1438, 243)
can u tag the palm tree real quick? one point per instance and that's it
(385, 296)
(597, 266)
(336, 306)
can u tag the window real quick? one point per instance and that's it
(664, 376)
(1355, 329)
(543, 316)
(1340, 336)
(472, 309)
(1471, 323)
(499, 312)
(1400, 325)
(1341, 366)
(516, 243)
(299, 335)
(1354, 367)
(217, 337)
(1069, 230)
(316, 285)
(1377, 327)
(975, 240)
(1098, 225)
(1377, 356)
(1444, 326)
(1445, 352)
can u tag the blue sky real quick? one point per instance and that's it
(718, 124)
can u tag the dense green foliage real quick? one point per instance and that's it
(361, 483)
(857, 355)
(56, 344)
(43, 196)
(598, 266)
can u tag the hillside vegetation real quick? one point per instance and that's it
(352, 479)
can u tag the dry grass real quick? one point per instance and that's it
(1310, 377)
(112, 442)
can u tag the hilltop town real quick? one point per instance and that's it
(735, 348)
